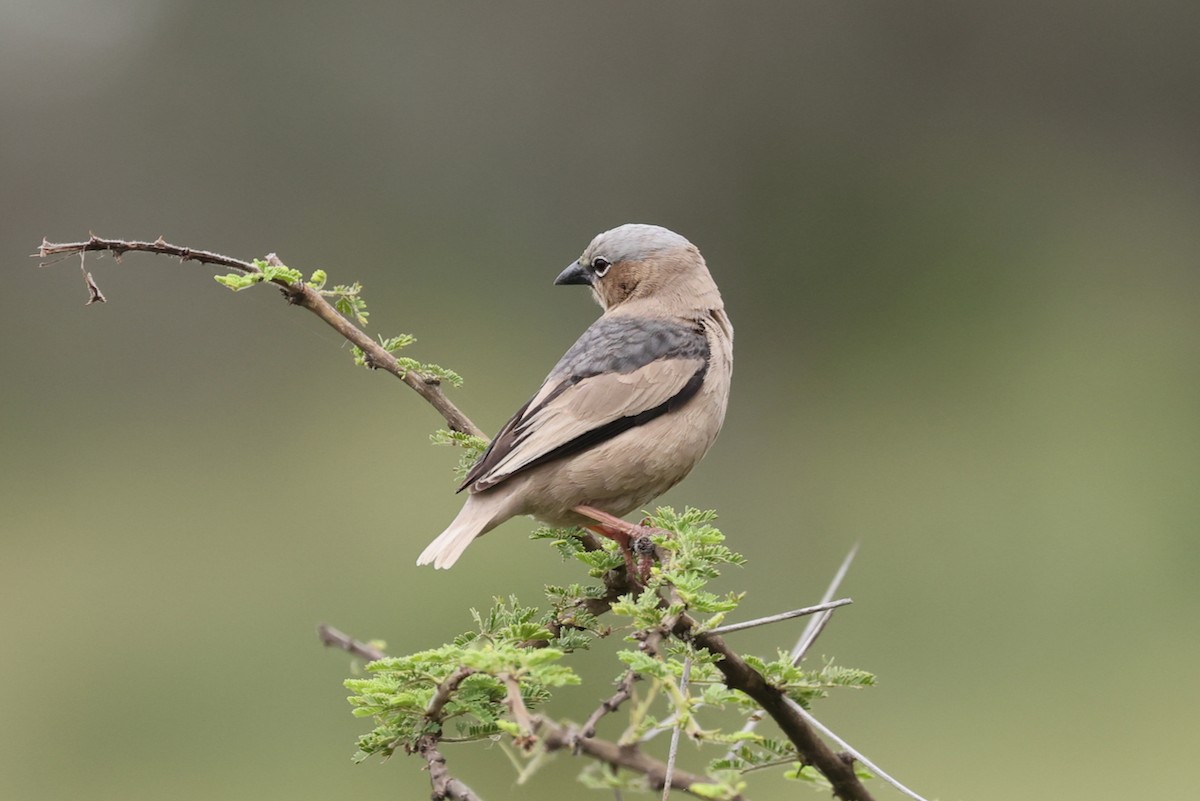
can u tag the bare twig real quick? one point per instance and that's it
(683, 691)
(809, 636)
(557, 737)
(300, 294)
(610, 704)
(817, 624)
(517, 708)
(803, 611)
(331, 637)
(119, 247)
(444, 785)
(94, 293)
(821, 727)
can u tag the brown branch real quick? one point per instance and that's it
(299, 294)
(444, 785)
(611, 704)
(740, 676)
(811, 631)
(332, 638)
(445, 692)
(850, 753)
(556, 737)
(811, 748)
(518, 710)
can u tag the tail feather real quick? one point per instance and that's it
(477, 517)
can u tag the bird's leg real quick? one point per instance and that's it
(630, 538)
(622, 540)
(619, 537)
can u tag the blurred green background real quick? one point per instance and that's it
(959, 244)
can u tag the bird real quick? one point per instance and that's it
(629, 409)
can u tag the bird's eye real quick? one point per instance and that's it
(600, 266)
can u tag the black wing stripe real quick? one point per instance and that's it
(496, 449)
(607, 431)
(639, 343)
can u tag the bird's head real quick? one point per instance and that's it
(644, 264)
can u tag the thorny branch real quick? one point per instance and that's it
(610, 704)
(520, 712)
(299, 294)
(801, 612)
(812, 749)
(838, 768)
(557, 737)
(332, 638)
(813, 630)
(444, 785)
(445, 691)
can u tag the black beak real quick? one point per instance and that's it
(576, 273)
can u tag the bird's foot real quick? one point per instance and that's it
(625, 543)
(643, 548)
(633, 539)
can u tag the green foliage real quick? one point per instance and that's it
(430, 372)
(348, 300)
(237, 281)
(693, 554)
(391, 344)
(602, 777)
(529, 645)
(271, 273)
(569, 544)
(472, 448)
(510, 642)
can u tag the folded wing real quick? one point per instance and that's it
(622, 373)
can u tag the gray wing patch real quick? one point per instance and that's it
(611, 346)
(625, 344)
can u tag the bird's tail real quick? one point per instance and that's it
(477, 517)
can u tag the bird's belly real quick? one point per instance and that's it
(630, 470)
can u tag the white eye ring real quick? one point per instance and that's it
(600, 266)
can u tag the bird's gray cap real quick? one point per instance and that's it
(633, 242)
(628, 242)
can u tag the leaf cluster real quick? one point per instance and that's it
(427, 370)
(514, 641)
(471, 445)
(511, 642)
(348, 300)
(266, 271)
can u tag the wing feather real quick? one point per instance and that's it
(652, 368)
